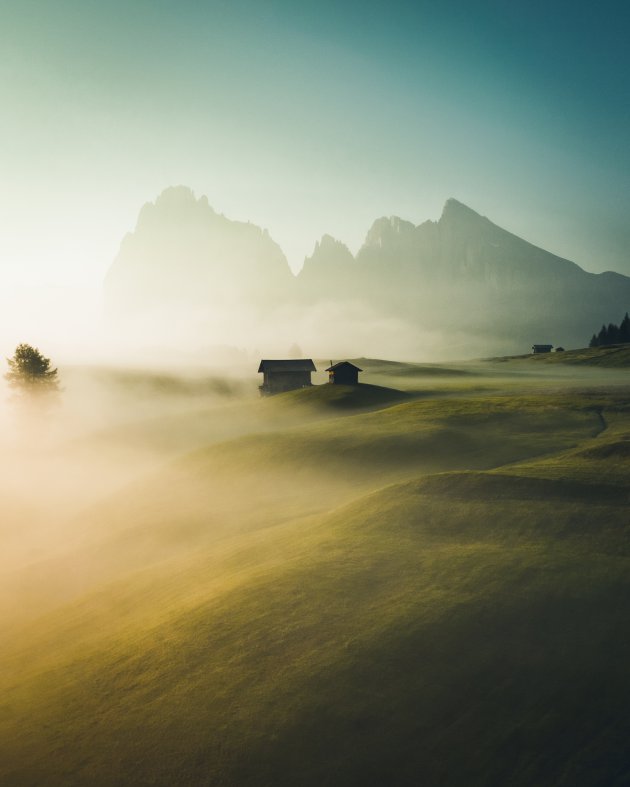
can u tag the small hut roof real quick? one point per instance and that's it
(301, 365)
(342, 363)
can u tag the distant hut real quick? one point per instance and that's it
(343, 373)
(559, 349)
(541, 348)
(280, 376)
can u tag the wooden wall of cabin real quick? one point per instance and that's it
(346, 377)
(276, 382)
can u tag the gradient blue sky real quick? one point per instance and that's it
(309, 118)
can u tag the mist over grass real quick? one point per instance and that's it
(335, 584)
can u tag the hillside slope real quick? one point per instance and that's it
(615, 356)
(327, 605)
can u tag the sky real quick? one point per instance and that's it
(307, 118)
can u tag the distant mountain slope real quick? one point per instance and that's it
(465, 272)
(183, 254)
(460, 286)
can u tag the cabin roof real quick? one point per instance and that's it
(343, 363)
(301, 365)
(549, 346)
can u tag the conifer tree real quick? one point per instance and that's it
(30, 372)
(612, 334)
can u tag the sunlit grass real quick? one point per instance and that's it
(431, 590)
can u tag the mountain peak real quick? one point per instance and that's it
(386, 228)
(175, 204)
(176, 195)
(328, 242)
(328, 253)
(454, 209)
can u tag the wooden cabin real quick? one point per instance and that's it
(280, 376)
(541, 348)
(343, 373)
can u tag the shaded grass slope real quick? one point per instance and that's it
(613, 356)
(460, 627)
(256, 482)
(393, 634)
(342, 397)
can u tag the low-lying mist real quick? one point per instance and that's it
(128, 466)
(63, 453)
(182, 556)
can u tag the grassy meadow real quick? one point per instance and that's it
(424, 580)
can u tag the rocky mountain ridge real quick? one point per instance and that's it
(184, 254)
(461, 274)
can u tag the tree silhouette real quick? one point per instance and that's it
(612, 334)
(30, 372)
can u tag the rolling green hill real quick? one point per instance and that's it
(341, 397)
(613, 356)
(434, 592)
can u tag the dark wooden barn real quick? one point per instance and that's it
(280, 376)
(343, 373)
(541, 348)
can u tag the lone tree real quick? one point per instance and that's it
(30, 373)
